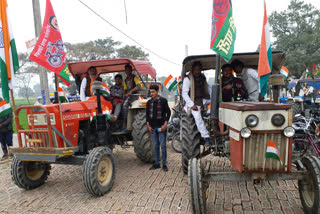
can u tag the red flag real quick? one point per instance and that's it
(314, 68)
(49, 51)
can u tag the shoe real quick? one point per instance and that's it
(155, 166)
(4, 157)
(113, 118)
(207, 142)
(165, 168)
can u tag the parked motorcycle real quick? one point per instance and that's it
(173, 131)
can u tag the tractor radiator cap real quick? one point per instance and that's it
(276, 79)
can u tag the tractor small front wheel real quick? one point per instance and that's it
(309, 187)
(197, 187)
(99, 171)
(29, 174)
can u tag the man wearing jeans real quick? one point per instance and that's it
(158, 114)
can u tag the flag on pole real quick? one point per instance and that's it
(93, 114)
(223, 31)
(105, 89)
(170, 83)
(265, 55)
(179, 80)
(62, 95)
(106, 111)
(316, 70)
(272, 152)
(307, 73)
(5, 108)
(284, 71)
(9, 63)
(49, 51)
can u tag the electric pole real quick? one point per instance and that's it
(186, 50)
(43, 73)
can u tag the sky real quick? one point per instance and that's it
(165, 26)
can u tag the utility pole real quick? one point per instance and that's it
(43, 73)
(186, 50)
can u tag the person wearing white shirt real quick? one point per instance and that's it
(84, 87)
(250, 79)
(196, 93)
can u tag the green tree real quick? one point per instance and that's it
(297, 31)
(132, 52)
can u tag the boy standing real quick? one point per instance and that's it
(157, 116)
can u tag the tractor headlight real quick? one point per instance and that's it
(245, 132)
(35, 119)
(288, 131)
(278, 119)
(252, 120)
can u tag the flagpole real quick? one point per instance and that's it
(60, 109)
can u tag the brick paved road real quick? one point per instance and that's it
(138, 190)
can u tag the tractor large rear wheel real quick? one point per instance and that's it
(142, 139)
(99, 171)
(309, 187)
(296, 107)
(29, 174)
(190, 140)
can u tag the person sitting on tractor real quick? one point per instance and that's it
(196, 93)
(130, 85)
(85, 87)
(250, 79)
(117, 93)
(233, 88)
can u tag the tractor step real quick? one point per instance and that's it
(42, 154)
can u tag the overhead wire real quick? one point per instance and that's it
(126, 35)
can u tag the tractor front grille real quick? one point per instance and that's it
(37, 139)
(254, 152)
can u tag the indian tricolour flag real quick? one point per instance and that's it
(105, 89)
(62, 95)
(284, 71)
(9, 63)
(5, 108)
(106, 111)
(93, 114)
(170, 83)
(272, 152)
(265, 56)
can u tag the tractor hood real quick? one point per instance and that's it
(112, 66)
(250, 60)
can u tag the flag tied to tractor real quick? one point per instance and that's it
(273, 152)
(9, 63)
(223, 32)
(265, 55)
(284, 71)
(49, 50)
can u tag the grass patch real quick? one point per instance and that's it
(23, 113)
(22, 120)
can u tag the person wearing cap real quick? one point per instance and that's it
(130, 85)
(6, 134)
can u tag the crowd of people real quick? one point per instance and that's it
(121, 92)
(237, 84)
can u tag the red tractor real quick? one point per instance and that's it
(81, 141)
